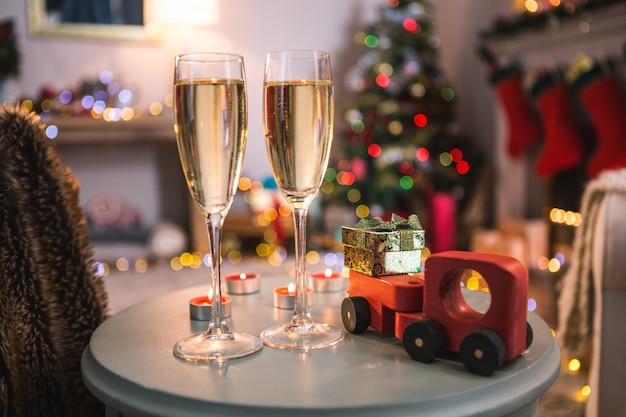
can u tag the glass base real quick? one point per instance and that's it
(302, 337)
(205, 348)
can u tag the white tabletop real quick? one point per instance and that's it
(130, 366)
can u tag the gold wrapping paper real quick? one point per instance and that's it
(382, 263)
(376, 247)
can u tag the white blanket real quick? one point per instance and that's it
(581, 281)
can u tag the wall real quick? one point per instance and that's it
(252, 27)
(248, 27)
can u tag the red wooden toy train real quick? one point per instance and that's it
(430, 315)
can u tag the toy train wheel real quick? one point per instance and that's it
(355, 314)
(482, 352)
(423, 340)
(529, 335)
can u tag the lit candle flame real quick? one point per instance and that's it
(242, 275)
(328, 273)
(291, 288)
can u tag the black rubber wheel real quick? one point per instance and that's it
(482, 352)
(423, 340)
(355, 313)
(529, 335)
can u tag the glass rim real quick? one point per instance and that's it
(209, 56)
(299, 53)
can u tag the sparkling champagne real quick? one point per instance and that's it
(298, 135)
(211, 120)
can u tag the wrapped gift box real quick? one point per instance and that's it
(376, 247)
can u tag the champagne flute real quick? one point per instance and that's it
(211, 127)
(298, 121)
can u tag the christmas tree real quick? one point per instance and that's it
(399, 144)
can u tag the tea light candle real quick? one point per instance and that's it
(200, 307)
(285, 297)
(327, 281)
(244, 283)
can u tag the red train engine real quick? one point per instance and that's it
(430, 315)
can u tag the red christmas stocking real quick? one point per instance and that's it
(563, 148)
(524, 129)
(604, 101)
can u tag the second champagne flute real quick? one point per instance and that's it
(298, 121)
(210, 105)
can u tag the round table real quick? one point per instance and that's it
(129, 365)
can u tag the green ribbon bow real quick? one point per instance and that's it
(397, 223)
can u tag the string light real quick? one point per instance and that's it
(566, 217)
(573, 365)
(585, 391)
(122, 264)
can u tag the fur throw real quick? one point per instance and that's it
(580, 282)
(51, 301)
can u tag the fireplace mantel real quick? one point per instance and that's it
(599, 34)
(135, 161)
(82, 130)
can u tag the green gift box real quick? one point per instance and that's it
(376, 247)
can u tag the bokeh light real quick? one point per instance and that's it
(447, 94)
(422, 154)
(374, 150)
(462, 167)
(445, 159)
(406, 182)
(345, 178)
(417, 90)
(395, 127)
(357, 126)
(531, 6)
(65, 97)
(244, 183)
(353, 195)
(370, 41)
(573, 365)
(122, 264)
(362, 211)
(420, 120)
(411, 25)
(330, 174)
(382, 80)
(312, 257)
(384, 68)
(52, 131)
(234, 256)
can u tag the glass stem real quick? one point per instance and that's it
(301, 315)
(217, 326)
